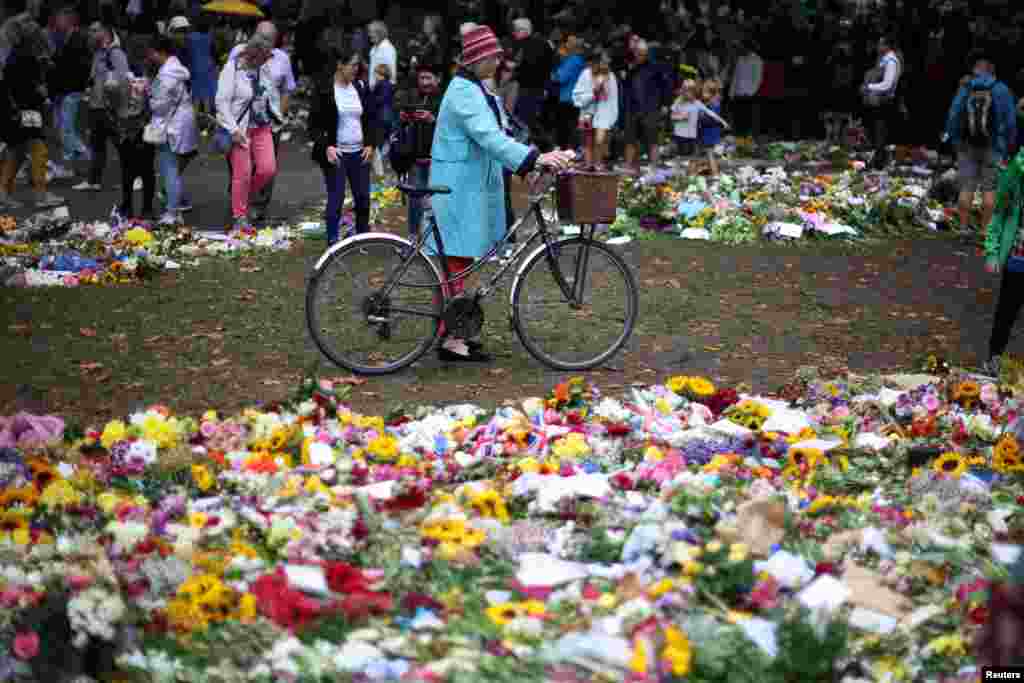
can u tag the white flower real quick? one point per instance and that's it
(981, 426)
(127, 534)
(320, 454)
(142, 450)
(612, 410)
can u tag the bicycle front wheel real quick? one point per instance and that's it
(584, 334)
(366, 318)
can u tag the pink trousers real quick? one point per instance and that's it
(252, 168)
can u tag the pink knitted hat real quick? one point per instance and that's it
(478, 44)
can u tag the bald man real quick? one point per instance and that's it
(284, 77)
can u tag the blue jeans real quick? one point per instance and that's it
(528, 107)
(167, 161)
(350, 167)
(74, 148)
(419, 175)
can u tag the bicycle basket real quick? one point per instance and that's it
(587, 198)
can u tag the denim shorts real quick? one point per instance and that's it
(976, 167)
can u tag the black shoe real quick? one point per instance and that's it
(476, 354)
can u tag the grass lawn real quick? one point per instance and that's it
(232, 333)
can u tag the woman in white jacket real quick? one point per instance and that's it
(171, 105)
(597, 96)
(248, 103)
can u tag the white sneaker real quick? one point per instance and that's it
(60, 172)
(48, 200)
(137, 185)
(86, 186)
(169, 218)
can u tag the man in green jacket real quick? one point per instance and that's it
(1004, 252)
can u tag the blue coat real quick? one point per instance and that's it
(566, 74)
(1005, 115)
(469, 153)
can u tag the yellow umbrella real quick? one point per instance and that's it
(236, 7)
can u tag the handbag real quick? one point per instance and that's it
(157, 135)
(222, 140)
(31, 118)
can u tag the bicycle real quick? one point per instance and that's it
(382, 267)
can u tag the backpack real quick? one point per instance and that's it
(402, 148)
(977, 119)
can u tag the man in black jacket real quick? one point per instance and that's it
(535, 60)
(647, 93)
(70, 80)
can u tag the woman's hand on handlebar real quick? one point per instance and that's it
(557, 160)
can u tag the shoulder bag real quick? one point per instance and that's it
(222, 140)
(154, 134)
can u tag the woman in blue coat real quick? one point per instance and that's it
(470, 150)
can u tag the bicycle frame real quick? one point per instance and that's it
(574, 297)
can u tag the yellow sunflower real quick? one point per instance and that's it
(23, 496)
(14, 526)
(42, 473)
(1003, 461)
(951, 464)
(1005, 448)
(820, 503)
(812, 457)
(490, 504)
(677, 384)
(967, 389)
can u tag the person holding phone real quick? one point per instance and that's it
(345, 133)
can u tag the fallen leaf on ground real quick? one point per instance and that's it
(87, 332)
(351, 381)
(271, 382)
(152, 340)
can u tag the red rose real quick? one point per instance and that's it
(344, 578)
(360, 530)
(364, 603)
(618, 429)
(825, 568)
(411, 500)
(414, 601)
(978, 615)
(623, 481)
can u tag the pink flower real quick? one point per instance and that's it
(9, 597)
(25, 430)
(208, 429)
(841, 413)
(931, 402)
(989, 394)
(26, 645)
(77, 582)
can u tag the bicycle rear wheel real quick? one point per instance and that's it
(360, 325)
(579, 337)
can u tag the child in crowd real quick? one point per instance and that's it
(384, 99)
(685, 113)
(711, 124)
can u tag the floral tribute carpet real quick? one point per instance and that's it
(857, 528)
(51, 250)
